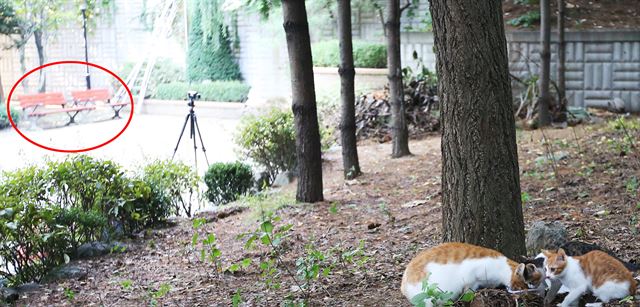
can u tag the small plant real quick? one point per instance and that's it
(431, 293)
(126, 285)
(236, 299)
(69, 294)
(525, 197)
(209, 250)
(632, 186)
(161, 292)
(333, 209)
(227, 181)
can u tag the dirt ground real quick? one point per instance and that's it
(394, 208)
(583, 14)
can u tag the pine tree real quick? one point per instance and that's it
(210, 55)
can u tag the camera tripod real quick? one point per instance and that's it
(194, 127)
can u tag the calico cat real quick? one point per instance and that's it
(456, 267)
(596, 272)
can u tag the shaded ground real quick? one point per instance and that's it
(582, 14)
(592, 196)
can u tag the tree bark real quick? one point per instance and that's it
(305, 114)
(347, 93)
(562, 95)
(544, 116)
(23, 62)
(39, 40)
(399, 131)
(480, 177)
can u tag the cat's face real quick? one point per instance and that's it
(526, 276)
(555, 264)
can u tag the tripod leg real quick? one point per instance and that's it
(204, 150)
(181, 133)
(193, 136)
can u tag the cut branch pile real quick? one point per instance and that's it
(373, 112)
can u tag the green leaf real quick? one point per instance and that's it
(267, 227)
(468, 296)
(419, 299)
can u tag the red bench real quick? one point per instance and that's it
(38, 105)
(103, 94)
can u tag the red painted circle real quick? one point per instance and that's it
(69, 150)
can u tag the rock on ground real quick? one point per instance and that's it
(544, 235)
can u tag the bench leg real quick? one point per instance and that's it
(72, 118)
(116, 111)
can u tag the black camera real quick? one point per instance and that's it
(192, 96)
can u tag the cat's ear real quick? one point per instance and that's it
(546, 252)
(520, 270)
(561, 255)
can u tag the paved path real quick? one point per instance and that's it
(148, 137)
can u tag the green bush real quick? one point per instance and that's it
(47, 212)
(365, 54)
(210, 56)
(31, 241)
(4, 119)
(227, 181)
(269, 140)
(169, 181)
(228, 91)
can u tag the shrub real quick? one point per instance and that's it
(47, 212)
(168, 181)
(230, 91)
(227, 181)
(365, 54)
(4, 119)
(210, 56)
(32, 243)
(88, 184)
(269, 140)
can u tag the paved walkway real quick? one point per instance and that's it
(148, 137)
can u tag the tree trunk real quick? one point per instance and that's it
(23, 62)
(480, 178)
(39, 40)
(308, 153)
(399, 131)
(1, 92)
(544, 116)
(562, 95)
(347, 93)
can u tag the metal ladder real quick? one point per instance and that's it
(141, 72)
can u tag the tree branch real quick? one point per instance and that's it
(405, 6)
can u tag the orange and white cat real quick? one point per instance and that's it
(596, 272)
(456, 267)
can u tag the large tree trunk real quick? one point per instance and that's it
(347, 93)
(399, 131)
(562, 95)
(38, 36)
(308, 153)
(544, 115)
(480, 178)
